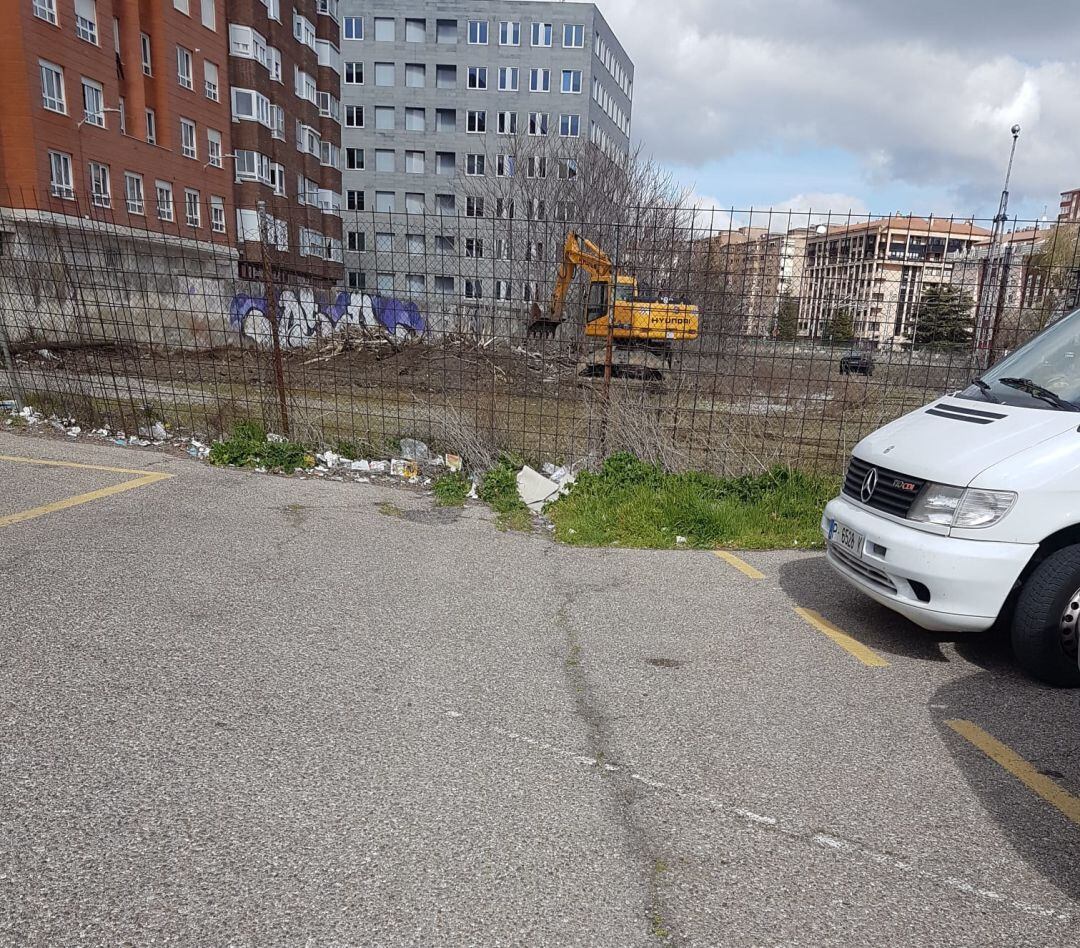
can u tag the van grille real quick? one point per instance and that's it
(857, 566)
(893, 494)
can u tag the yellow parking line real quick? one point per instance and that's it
(846, 642)
(741, 565)
(144, 478)
(1011, 761)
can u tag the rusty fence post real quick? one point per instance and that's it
(272, 317)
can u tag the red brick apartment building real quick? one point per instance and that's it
(176, 118)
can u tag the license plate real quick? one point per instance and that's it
(846, 538)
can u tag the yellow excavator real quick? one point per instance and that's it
(641, 328)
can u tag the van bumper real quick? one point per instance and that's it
(967, 580)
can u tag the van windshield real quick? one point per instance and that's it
(1044, 373)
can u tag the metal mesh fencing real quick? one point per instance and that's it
(722, 341)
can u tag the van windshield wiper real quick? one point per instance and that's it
(1035, 390)
(987, 391)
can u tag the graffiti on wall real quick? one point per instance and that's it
(303, 317)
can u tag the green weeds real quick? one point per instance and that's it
(248, 446)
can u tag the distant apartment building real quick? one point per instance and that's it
(170, 122)
(877, 271)
(742, 274)
(434, 96)
(285, 95)
(1069, 208)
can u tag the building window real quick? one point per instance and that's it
(384, 160)
(133, 193)
(354, 27)
(508, 123)
(538, 123)
(385, 202)
(476, 121)
(60, 181)
(504, 166)
(329, 107)
(192, 208)
(474, 289)
(478, 77)
(414, 162)
(536, 166)
(210, 81)
(354, 200)
(330, 155)
(415, 31)
(446, 120)
(357, 241)
(509, 33)
(444, 203)
(539, 80)
(502, 289)
(86, 20)
(474, 207)
(508, 79)
(213, 148)
(384, 117)
(384, 29)
(277, 122)
(415, 243)
(504, 209)
(164, 200)
(100, 188)
(182, 6)
(573, 36)
(541, 34)
(122, 114)
(444, 245)
(147, 62)
(52, 87)
(571, 80)
(567, 169)
(356, 280)
(474, 165)
(415, 75)
(384, 74)
(93, 103)
(384, 241)
(446, 31)
(304, 85)
(45, 10)
(414, 202)
(183, 67)
(187, 139)
(151, 127)
(209, 14)
(354, 73)
(478, 32)
(445, 162)
(354, 116)
(217, 214)
(354, 159)
(303, 30)
(570, 125)
(415, 120)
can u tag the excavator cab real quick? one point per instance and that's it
(599, 293)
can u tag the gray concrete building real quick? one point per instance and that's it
(434, 95)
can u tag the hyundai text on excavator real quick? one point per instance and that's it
(641, 328)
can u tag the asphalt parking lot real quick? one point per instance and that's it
(249, 710)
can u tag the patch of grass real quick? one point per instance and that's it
(388, 509)
(247, 446)
(498, 489)
(451, 489)
(633, 504)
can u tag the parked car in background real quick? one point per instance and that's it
(967, 510)
(857, 363)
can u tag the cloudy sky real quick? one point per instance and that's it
(878, 105)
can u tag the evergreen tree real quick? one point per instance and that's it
(787, 319)
(840, 330)
(944, 318)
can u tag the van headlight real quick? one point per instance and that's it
(961, 507)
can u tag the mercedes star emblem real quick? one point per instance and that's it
(869, 485)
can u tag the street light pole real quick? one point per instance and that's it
(986, 320)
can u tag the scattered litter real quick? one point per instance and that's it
(158, 432)
(360, 466)
(535, 489)
(680, 540)
(330, 459)
(8, 405)
(453, 461)
(120, 441)
(48, 354)
(378, 467)
(413, 450)
(404, 468)
(141, 442)
(275, 438)
(74, 431)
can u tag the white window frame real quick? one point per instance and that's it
(61, 180)
(45, 10)
(539, 79)
(350, 165)
(93, 116)
(474, 165)
(540, 32)
(477, 77)
(211, 87)
(100, 184)
(541, 121)
(572, 74)
(213, 148)
(350, 26)
(134, 196)
(166, 209)
(510, 33)
(576, 31)
(351, 69)
(86, 26)
(192, 208)
(352, 113)
(52, 100)
(151, 126)
(208, 14)
(217, 214)
(507, 123)
(477, 33)
(476, 121)
(185, 56)
(147, 53)
(570, 125)
(189, 139)
(509, 77)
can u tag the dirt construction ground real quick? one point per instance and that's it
(249, 710)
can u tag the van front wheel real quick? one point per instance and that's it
(1046, 624)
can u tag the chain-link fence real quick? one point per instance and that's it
(726, 341)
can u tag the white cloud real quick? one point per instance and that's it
(921, 93)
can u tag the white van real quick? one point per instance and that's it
(968, 509)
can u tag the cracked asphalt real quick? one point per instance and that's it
(249, 710)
